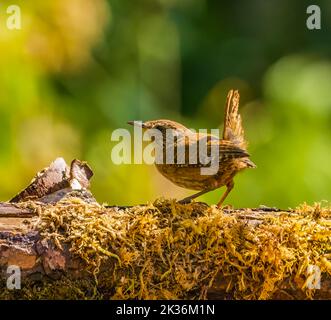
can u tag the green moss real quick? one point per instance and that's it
(167, 250)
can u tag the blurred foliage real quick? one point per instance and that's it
(79, 69)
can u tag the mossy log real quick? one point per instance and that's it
(70, 247)
(41, 260)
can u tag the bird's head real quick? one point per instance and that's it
(161, 125)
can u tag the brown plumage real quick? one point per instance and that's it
(232, 154)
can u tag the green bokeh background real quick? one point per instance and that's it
(79, 69)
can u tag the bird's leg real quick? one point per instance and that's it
(193, 196)
(229, 187)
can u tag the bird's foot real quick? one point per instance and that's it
(225, 207)
(185, 201)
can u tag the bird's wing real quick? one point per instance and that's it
(189, 155)
(233, 130)
(226, 150)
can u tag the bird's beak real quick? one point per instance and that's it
(250, 163)
(137, 123)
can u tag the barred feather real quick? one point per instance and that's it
(233, 130)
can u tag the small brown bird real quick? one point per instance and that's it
(232, 153)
